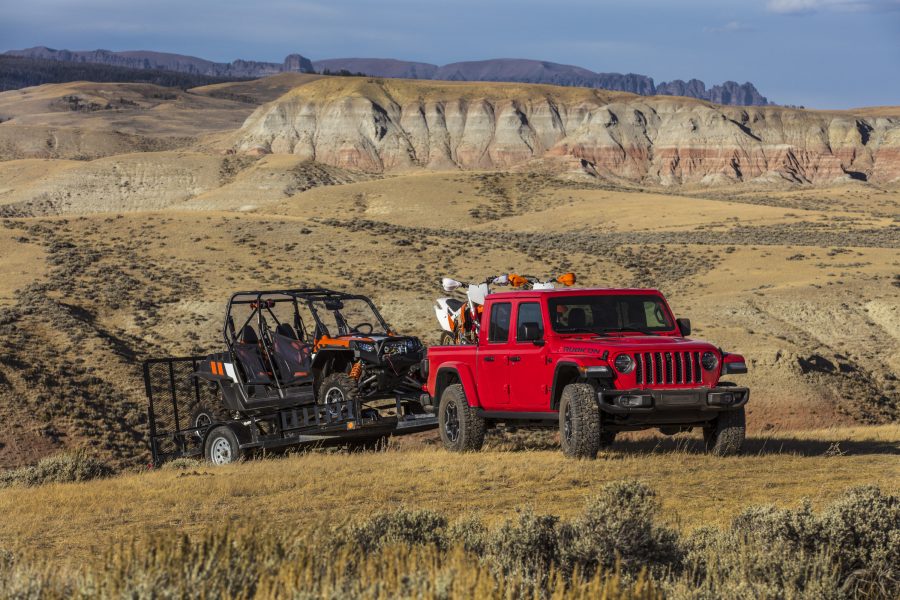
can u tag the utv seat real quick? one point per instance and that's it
(293, 358)
(247, 349)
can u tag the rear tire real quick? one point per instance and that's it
(462, 429)
(204, 414)
(579, 422)
(222, 446)
(724, 436)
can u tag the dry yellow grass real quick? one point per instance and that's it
(68, 522)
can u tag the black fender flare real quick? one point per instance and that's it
(566, 372)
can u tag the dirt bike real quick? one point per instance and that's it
(530, 282)
(460, 320)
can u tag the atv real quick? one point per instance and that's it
(289, 348)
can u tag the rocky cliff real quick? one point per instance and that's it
(142, 59)
(539, 71)
(383, 124)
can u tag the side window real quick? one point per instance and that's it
(530, 314)
(499, 328)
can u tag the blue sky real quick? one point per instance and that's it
(818, 53)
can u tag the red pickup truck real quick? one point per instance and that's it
(593, 362)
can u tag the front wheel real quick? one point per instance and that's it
(222, 446)
(462, 428)
(579, 421)
(724, 436)
(337, 388)
(447, 339)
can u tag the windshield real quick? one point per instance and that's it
(603, 314)
(348, 316)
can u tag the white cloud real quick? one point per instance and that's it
(729, 27)
(805, 7)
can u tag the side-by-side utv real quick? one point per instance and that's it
(298, 365)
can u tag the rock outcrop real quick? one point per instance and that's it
(538, 71)
(141, 59)
(382, 124)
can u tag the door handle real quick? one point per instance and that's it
(488, 359)
(515, 358)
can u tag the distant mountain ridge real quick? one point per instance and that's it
(144, 59)
(520, 70)
(503, 69)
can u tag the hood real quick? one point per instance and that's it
(591, 344)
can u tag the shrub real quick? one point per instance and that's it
(60, 468)
(618, 530)
(403, 526)
(528, 546)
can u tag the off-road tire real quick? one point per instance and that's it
(724, 436)
(447, 339)
(462, 428)
(206, 413)
(337, 384)
(579, 421)
(222, 446)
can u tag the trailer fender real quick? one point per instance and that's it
(456, 372)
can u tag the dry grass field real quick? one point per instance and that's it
(123, 230)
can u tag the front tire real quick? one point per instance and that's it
(337, 387)
(204, 414)
(579, 421)
(222, 446)
(462, 429)
(724, 436)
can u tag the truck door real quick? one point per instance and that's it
(529, 376)
(492, 369)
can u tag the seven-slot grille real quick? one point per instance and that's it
(667, 367)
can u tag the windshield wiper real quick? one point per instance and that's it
(581, 330)
(631, 327)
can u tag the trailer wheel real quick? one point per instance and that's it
(222, 446)
(579, 421)
(462, 429)
(724, 436)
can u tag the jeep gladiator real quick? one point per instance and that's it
(592, 362)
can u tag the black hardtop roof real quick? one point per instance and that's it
(575, 292)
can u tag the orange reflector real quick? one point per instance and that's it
(351, 425)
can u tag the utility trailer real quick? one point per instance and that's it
(175, 392)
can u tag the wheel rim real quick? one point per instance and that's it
(334, 395)
(567, 424)
(451, 422)
(201, 422)
(221, 451)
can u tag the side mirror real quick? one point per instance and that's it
(684, 325)
(530, 332)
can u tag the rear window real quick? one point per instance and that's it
(499, 328)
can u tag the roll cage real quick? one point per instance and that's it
(261, 304)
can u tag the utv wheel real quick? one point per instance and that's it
(462, 429)
(724, 436)
(447, 339)
(204, 414)
(579, 421)
(222, 446)
(337, 387)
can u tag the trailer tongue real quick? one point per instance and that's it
(176, 398)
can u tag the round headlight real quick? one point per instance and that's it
(624, 363)
(709, 361)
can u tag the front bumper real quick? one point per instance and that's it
(672, 402)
